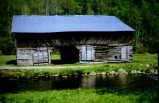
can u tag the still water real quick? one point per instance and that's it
(72, 82)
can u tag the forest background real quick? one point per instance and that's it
(142, 15)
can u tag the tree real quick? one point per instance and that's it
(142, 15)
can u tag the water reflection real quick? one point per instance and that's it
(90, 82)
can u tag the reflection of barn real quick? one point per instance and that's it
(81, 38)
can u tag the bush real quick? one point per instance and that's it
(7, 46)
(141, 50)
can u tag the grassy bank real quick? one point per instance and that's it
(142, 62)
(146, 58)
(144, 95)
(106, 68)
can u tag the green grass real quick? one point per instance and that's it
(83, 96)
(145, 58)
(56, 57)
(31, 73)
(140, 63)
(5, 59)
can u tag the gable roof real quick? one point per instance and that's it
(72, 23)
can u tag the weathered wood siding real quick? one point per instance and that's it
(92, 38)
(101, 53)
(126, 53)
(87, 53)
(33, 56)
(24, 56)
(35, 49)
(41, 56)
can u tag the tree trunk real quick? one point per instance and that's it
(158, 65)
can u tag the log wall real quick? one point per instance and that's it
(105, 53)
(35, 49)
(33, 56)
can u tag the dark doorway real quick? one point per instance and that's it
(69, 54)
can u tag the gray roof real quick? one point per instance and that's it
(72, 23)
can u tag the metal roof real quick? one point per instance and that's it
(67, 23)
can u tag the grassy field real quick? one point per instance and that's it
(145, 58)
(137, 58)
(7, 59)
(144, 95)
(142, 62)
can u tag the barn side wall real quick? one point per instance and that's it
(105, 53)
(24, 56)
(33, 51)
(33, 56)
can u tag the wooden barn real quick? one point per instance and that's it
(83, 38)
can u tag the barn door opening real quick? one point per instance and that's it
(87, 53)
(56, 56)
(69, 54)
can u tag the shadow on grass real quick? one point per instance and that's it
(62, 62)
(14, 62)
(147, 94)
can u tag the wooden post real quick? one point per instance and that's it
(86, 52)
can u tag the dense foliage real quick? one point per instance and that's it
(142, 15)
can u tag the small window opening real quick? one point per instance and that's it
(115, 57)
